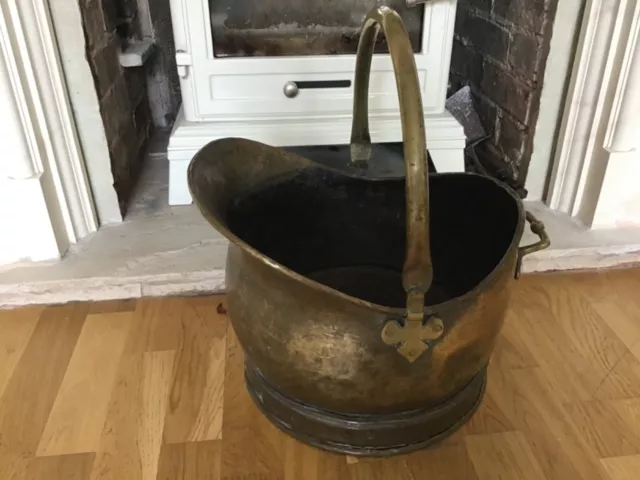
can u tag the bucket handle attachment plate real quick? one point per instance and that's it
(410, 338)
(537, 227)
(417, 272)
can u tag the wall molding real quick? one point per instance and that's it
(40, 96)
(598, 75)
(66, 25)
(566, 28)
(18, 73)
(622, 129)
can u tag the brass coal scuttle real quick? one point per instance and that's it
(367, 306)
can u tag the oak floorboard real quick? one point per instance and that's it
(443, 463)
(622, 468)
(29, 395)
(131, 438)
(61, 467)
(154, 389)
(78, 414)
(503, 455)
(604, 429)
(245, 430)
(16, 328)
(196, 398)
(190, 461)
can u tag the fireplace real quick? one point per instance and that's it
(281, 72)
(283, 76)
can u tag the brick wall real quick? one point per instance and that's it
(500, 50)
(124, 107)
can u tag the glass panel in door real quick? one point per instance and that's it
(247, 28)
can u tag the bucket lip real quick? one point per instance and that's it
(394, 311)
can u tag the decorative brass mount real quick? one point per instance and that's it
(410, 338)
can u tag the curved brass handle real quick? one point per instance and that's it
(417, 272)
(537, 227)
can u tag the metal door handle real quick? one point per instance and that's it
(291, 89)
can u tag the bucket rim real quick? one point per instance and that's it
(224, 230)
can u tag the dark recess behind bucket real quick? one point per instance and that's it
(387, 158)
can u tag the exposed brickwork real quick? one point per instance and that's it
(500, 50)
(124, 107)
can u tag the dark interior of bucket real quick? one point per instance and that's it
(349, 233)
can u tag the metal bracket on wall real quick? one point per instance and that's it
(183, 61)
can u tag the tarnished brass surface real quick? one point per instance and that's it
(347, 305)
(400, 433)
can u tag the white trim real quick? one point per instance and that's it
(18, 124)
(47, 127)
(27, 231)
(566, 27)
(66, 22)
(580, 162)
(622, 130)
(575, 125)
(65, 158)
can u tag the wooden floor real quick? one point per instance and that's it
(154, 389)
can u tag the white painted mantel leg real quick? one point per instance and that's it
(45, 201)
(25, 228)
(597, 165)
(619, 201)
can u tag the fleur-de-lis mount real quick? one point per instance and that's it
(410, 338)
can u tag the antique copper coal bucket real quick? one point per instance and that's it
(367, 306)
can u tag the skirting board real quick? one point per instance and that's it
(445, 140)
(175, 252)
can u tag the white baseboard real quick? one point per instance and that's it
(445, 140)
(178, 189)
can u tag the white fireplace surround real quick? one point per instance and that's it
(244, 97)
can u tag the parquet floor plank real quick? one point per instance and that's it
(153, 389)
